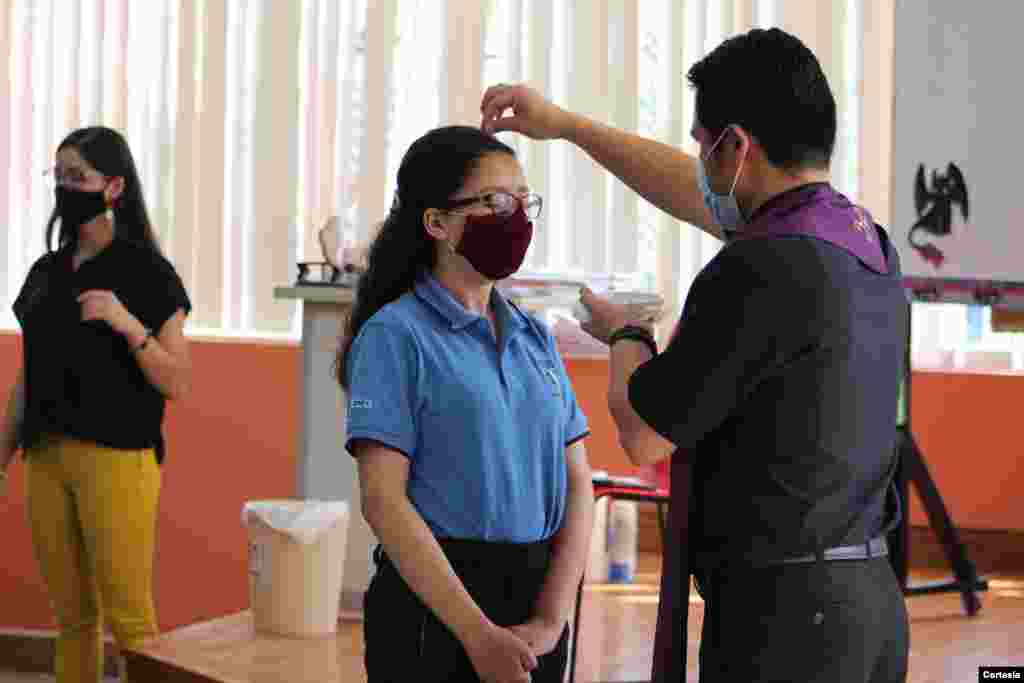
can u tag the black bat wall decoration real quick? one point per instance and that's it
(935, 209)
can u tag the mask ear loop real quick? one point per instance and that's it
(736, 179)
(721, 136)
(436, 222)
(453, 249)
(739, 171)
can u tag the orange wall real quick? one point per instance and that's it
(232, 440)
(968, 426)
(236, 435)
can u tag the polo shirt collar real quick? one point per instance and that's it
(434, 294)
(510, 317)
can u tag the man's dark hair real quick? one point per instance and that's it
(770, 84)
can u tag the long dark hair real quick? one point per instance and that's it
(107, 151)
(433, 169)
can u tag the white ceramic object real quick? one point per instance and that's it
(648, 299)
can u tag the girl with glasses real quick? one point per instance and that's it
(466, 430)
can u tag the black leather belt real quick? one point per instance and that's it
(876, 547)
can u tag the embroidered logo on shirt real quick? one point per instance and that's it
(861, 224)
(360, 403)
(553, 378)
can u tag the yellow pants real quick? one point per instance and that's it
(93, 516)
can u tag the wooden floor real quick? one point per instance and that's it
(617, 632)
(615, 640)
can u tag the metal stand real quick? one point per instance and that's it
(912, 469)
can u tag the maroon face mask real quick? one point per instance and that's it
(496, 245)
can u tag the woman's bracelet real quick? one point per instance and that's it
(145, 340)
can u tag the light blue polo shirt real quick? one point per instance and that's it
(485, 428)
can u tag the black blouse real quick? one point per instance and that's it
(81, 378)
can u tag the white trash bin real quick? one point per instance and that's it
(296, 564)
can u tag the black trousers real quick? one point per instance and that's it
(405, 641)
(840, 622)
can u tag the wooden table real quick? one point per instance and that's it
(229, 650)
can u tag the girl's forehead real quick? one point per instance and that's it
(497, 171)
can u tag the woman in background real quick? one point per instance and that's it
(103, 348)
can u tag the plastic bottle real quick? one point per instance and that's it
(623, 522)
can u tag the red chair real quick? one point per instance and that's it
(659, 495)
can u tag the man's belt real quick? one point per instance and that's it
(876, 547)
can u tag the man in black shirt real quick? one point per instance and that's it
(780, 385)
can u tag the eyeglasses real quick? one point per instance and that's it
(74, 177)
(503, 203)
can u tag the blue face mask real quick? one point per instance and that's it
(723, 207)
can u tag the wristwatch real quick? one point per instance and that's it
(635, 333)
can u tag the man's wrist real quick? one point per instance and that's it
(573, 126)
(634, 333)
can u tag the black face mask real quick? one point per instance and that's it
(78, 207)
